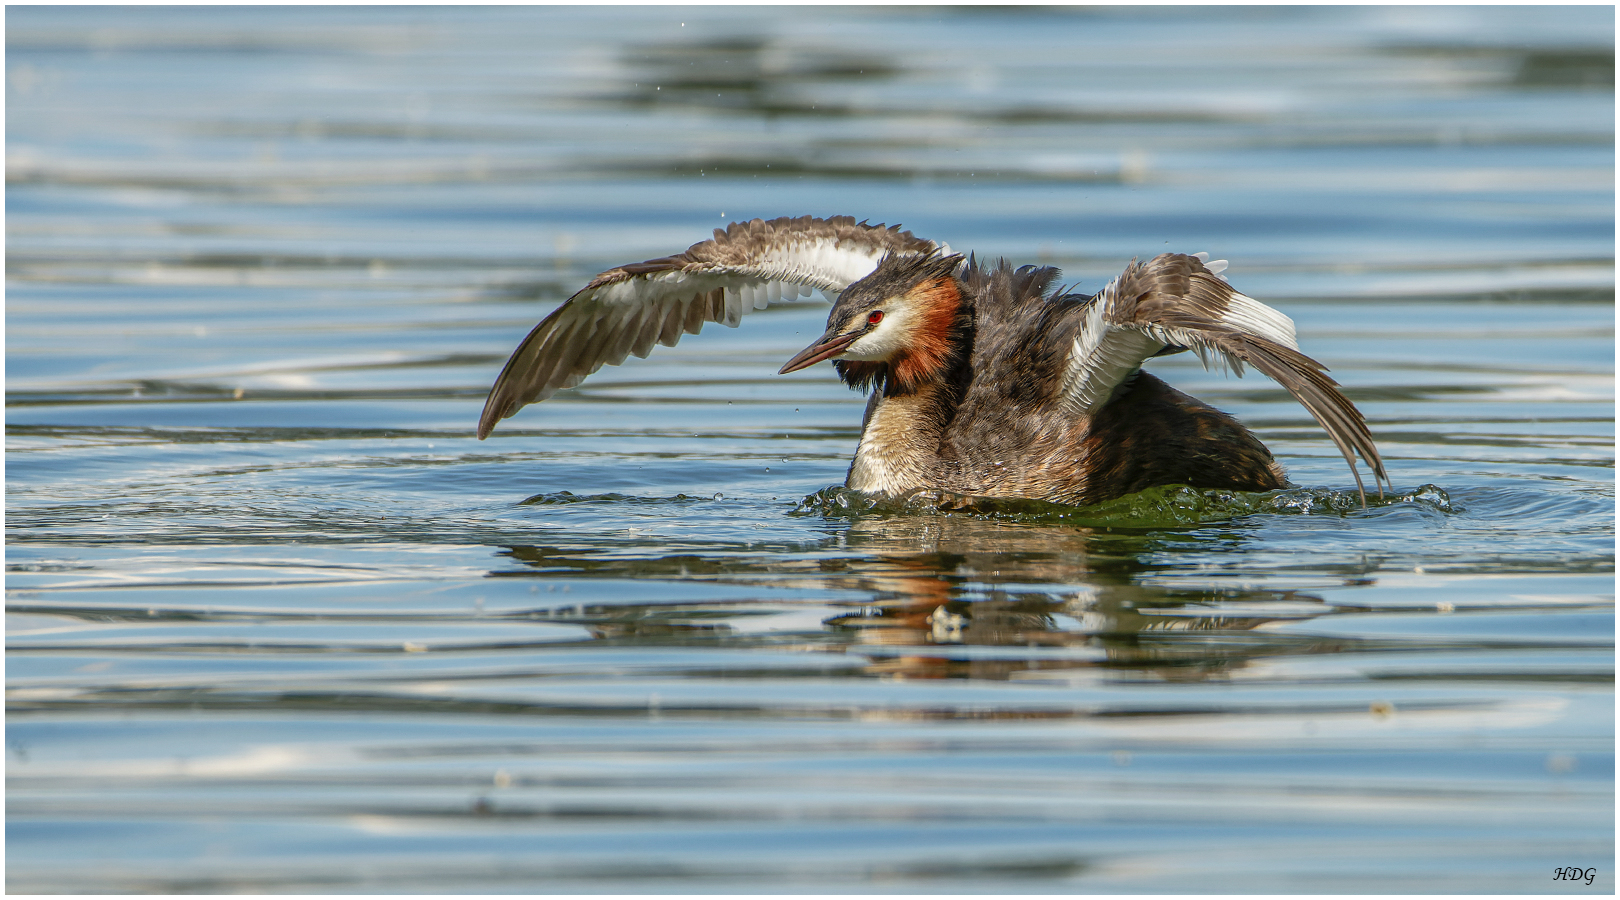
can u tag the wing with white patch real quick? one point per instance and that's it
(1177, 302)
(627, 310)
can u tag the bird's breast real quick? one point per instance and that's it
(899, 446)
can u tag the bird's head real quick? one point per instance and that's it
(894, 326)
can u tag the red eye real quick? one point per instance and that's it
(874, 317)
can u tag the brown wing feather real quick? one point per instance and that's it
(1307, 380)
(1174, 300)
(628, 309)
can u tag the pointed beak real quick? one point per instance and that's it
(826, 348)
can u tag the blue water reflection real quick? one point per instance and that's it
(278, 622)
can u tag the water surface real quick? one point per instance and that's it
(278, 622)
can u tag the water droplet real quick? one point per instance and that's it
(719, 496)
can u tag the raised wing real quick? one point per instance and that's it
(1175, 302)
(629, 309)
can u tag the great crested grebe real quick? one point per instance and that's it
(984, 380)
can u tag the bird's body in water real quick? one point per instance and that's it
(984, 380)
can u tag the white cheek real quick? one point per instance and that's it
(882, 342)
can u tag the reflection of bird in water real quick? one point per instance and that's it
(955, 580)
(984, 380)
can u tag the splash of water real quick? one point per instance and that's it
(1156, 507)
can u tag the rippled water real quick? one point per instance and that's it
(277, 621)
